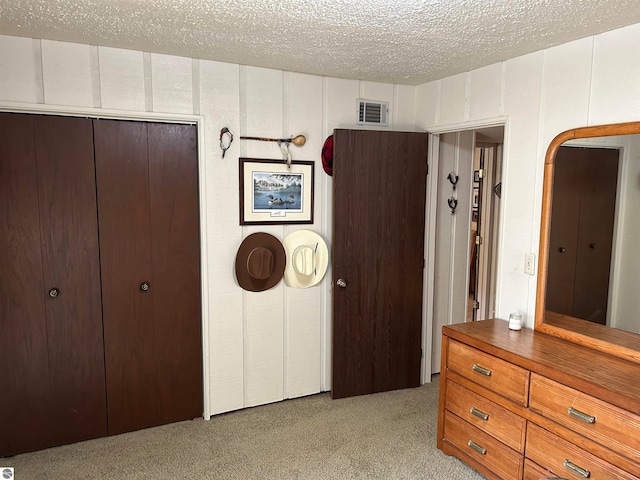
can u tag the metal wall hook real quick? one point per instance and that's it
(225, 143)
(453, 179)
(453, 203)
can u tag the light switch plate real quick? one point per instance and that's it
(530, 263)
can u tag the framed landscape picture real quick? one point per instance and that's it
(271, 192)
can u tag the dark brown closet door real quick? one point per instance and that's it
(24, 371)
(149, 240)
(173, 176)
(69, 232)
(122, 173)
(51, 360)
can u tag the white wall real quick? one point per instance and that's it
(261, 347)
(591, 81)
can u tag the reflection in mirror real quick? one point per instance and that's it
(583, 210)
(589, 267)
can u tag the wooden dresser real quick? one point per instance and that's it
(526, 405)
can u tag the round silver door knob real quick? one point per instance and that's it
(341, 283)
(54, 292)
(145, 286)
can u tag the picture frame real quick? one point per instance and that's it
(274, 193)
(475, 198)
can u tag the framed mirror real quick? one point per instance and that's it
(589, 257)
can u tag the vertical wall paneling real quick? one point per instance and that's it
(148, 82)
(615, 93)
(341, 103)
(122, 79)
(20, 73)
(485, 92)
(566, 88)
(67, 78)
(427, 102)
(303, 115)
(523, 162)
(96, 93)
(453, 99)
(172, 84)
(403, 111)
(264, 324)
(220, 106)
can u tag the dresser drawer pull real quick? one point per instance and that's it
(482, 370)
(581, 416)
(479, 414)
(576, 469)
(477, 448)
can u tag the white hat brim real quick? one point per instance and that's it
(317, 243)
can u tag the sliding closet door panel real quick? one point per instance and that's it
(67, 198)
(24, 373)
(173, 175)
(125, 248)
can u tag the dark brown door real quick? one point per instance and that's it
(378, 248)
(173, 175)
(149, 238)
(69, 228)
(581, 237)
(51, 362)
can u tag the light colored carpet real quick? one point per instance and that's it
(383, 436)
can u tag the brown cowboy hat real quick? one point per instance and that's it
(260, 262)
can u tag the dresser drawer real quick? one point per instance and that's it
(567, 460)
(490, 417)
(599, 421)
(533, 471)
(491, 372)
(483, 448)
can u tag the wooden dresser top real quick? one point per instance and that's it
(611, 379)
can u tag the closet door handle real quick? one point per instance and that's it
(54, 292)
(145, 286)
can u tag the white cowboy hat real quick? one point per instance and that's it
(307, 259)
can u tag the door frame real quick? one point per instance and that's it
(199, 122)
(428, 330)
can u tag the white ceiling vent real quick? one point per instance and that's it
(373, 112)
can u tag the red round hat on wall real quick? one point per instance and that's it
(327, 155)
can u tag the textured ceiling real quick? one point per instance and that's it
(395, 41)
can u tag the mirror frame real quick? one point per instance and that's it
(615, 342)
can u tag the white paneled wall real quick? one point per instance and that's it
(259, 347)
(591, 81)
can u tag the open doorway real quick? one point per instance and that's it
(485, 211)
(466, 197)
